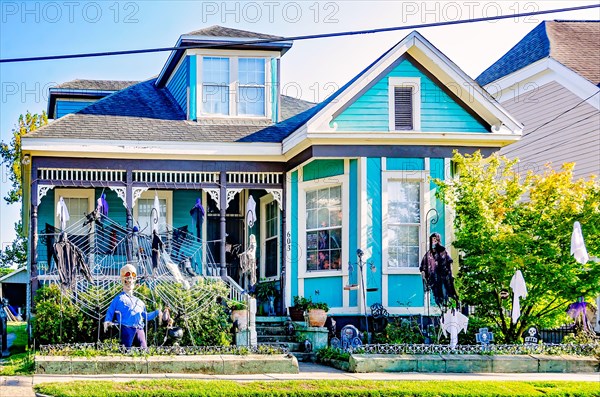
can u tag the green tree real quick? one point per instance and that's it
(11, 157)
(505, 222)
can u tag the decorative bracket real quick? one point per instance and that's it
(42, 191)
(231, 194)
(214, 194)
(137, 193)
(121, 192)
(277, 195)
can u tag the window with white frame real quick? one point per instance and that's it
(143, 211)
(403, 223)
(79, 202)
(271, 239)
(324, 229)
(404, 103)
(251, 90)
(215, 85)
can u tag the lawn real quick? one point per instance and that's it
(20, 361)
(204, 388)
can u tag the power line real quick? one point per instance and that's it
(297, 38)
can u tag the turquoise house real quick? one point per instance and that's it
(321, 180)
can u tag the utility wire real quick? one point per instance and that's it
(297, 38)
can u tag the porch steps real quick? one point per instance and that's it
(273, 331)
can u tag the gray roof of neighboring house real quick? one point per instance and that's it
(147, 113)
(222, 31)
(99, 85)
(575, 44)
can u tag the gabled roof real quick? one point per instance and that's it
(6, 278)
(222, 31)
(439, 65)
(143, 112)
(575, 44)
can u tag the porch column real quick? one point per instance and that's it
(223, 229)
(33, 275)
(129, 212)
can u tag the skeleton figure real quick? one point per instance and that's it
(248, 260)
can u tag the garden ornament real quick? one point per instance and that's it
(133, 315)
(453, 322)
(517, 283)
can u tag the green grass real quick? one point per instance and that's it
(176, 387)
(20, 361)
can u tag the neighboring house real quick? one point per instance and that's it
(13, 286)
(550, 82)
(330, 178)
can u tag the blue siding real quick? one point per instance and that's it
(293, 260)
(374, 234)
(439, 112)
(66, 107)
(178, 85)
(183, 201)
(353, 228)
(318, 169)
(436, 166)
(324, 289)
(405, 164)
(46, 212)
(405, 290)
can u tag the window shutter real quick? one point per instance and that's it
(403, 108)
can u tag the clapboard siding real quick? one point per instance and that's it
(178, 84)
(64, 107)
(439, 112)
(572, 137)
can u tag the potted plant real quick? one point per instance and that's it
(239, 313)
(266, 291)
(317, 314)
(300, 306)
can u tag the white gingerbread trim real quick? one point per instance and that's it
(137, 193)
(277, 196)
(214, 194)
(42, 191)
(231, 194)
(121, 192)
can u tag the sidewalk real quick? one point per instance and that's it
(21, 386)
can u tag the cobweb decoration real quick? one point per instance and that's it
(175, 280)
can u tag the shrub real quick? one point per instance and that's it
(57, 320)
(332, 353)
(401, 330)
(318, 305)
(302, 303)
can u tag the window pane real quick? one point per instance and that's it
(311, 260)
(145, 215)
(323, 217)
(323, 239)
(271, 258)
(404, 205)
(251, 71)
(312, 240)
(215, 99)
(311, 199)
(311, 219)
(335, 217)
(335, 196)
(251, 101)
(77, 208)
(403, 241)
(215, 71)
(335, 238)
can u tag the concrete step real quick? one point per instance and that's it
(305, 357)
(275, 338)
(274, 319)
(262, 330)
(291, 346)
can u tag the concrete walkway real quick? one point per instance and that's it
(21, 386)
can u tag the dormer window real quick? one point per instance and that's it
(215, 85)
(234, 86)
(404, 104)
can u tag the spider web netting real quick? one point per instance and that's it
(174, 276)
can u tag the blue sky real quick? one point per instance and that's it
(310, 70)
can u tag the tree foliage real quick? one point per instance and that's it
(505, 222)
(16, 253)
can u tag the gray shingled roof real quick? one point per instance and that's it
(221, 31)
(100, 85)
(146, 113)
(575, 44)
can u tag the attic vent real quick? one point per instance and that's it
(403, 108)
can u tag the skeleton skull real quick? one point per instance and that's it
(128, 277)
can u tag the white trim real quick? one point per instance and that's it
(264, 201)
(539, 73)
(415, 84)
(405, 176)
(288, 233)
(88, 194)
(363, 225)
(340, 180)
(162, 194)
